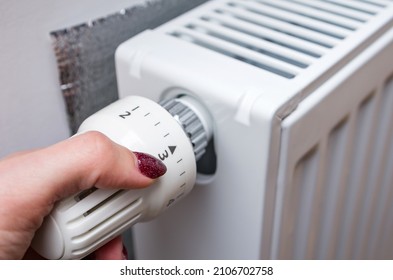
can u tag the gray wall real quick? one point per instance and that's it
(32, 109)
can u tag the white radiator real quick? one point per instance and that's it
(301, 93)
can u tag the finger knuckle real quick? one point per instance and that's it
(99, 146)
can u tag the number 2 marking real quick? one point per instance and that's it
(126, 114)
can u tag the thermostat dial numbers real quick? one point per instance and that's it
(162, 143)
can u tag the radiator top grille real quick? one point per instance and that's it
(282, 37)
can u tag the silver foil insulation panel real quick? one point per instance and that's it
(85, 53)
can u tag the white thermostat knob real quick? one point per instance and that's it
(177, 132)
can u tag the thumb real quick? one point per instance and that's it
(34, 181)
(31, 182)
(92, 159)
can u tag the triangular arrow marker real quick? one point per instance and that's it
(172, 149)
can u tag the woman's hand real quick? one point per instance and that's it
(31, 182)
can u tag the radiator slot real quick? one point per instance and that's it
(332, 191)
(358, 7)
(242, 43)
(356, 177)
(297, 214)
(376, 186)
(292, 19)
(277, 26)
(384, 211)
(385, 228)
(325, 7)
(373, 3)
(269, 34)
(219, 48)
(314, 14)
(279, 37)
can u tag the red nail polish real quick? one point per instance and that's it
(150, 166)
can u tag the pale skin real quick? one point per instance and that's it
(31, 182)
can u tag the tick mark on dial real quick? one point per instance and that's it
(135, 108)
(157, 123)
(179, 160)
(166, 135)
(184, 172)
(182, 186)
(147, 114)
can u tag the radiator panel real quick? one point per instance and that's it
(343, 208)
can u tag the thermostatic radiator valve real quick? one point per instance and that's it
(177, 132)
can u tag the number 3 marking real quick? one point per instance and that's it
(164, 155)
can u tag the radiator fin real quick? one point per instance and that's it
(377, 181)
(358, 6)
(297, 212)
(267, 31)
(264, 10)
(314, 14)
(280, 37)
(273, 27)
(336, 202)
(332, 9)
(386, 221)
(332, 192)
(237, 52)
(357, 175)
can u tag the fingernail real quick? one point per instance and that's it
(150, 166)
(125, 253)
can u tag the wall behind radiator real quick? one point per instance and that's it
(32, 109)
